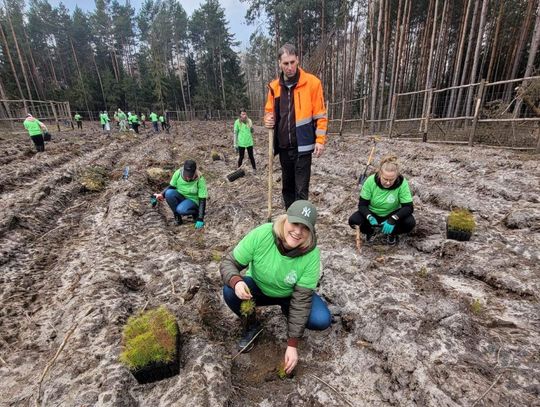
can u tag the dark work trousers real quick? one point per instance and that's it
(241, 151)
(295, 174)
(39, 143)
(403, 225)
(79, 125)
(135, 127)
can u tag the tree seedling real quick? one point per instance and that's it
(460, 224)
(281, 373)
(423, 272)
(476, 306)
(247, 307)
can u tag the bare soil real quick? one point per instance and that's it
(76, 262)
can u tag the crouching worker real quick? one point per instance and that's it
(186, 194)
(283, 266)
(385, 203)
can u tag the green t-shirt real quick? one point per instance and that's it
(33, 126)
(385, 201)
(78, 117)
(122, 116)
(275, 274)
(104, 118)
(192, 190)
(242, 133)
(143, 117)
(161, 119)
(133, 119)
(153, 117)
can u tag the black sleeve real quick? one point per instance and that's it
(405, 210)
(202, 209)
(363, 207)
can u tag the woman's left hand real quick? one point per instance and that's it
(291, 359)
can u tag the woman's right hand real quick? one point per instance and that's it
(242, 291)
(159, 197)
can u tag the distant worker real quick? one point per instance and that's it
(78, 120)
(164, 123)
(122, 118)
(35, 130)
(186, 194)
(295, 109)
(154, 120)
(143, 120)
(243, 138)
(134, 122)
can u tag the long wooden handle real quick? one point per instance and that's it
(270, 170)
(371, 155)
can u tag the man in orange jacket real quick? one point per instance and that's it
(296, 111)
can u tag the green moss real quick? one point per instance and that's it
(216, 256)
(281, 373)
(247, 307)
(461, 219)
(149, 337)
(476, 306)
(423, 272)
(215, 156)
(93, 179)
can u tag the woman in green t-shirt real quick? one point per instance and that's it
(283, 268)
(186, 194)
(385, 202)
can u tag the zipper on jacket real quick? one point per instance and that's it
(299, 101)
(289, 116)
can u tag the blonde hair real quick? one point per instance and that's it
(389, 163)
(279, 230)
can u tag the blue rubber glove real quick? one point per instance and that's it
(372, 220)
(387, 228)
(199, 224)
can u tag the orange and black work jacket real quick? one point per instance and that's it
(299, 111)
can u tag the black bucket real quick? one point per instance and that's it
(47, 136)
(235, 175)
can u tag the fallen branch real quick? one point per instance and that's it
(333, 388)
(487, 391)
(249, 343)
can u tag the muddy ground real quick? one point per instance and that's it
(75, 264)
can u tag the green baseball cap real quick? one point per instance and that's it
(303, 212)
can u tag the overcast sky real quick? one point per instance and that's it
(235, 12)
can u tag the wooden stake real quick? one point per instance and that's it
(270, 170)
(358, 240)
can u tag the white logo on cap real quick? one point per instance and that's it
(306, 211)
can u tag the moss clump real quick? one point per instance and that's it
(216, 256)
(462, 220)
(215, 156)
(157, 174)
(149, 337)
(247, 307)
(423, 272)
(93, 179)
(476, 306)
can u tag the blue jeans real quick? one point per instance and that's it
(319, 317)
(179, 204)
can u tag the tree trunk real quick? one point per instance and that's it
(467, 58)
(99, 78)
(21, 61)
(495, 41)
(80, 77)
(8, 53)
(457, 64)
(535, 42)
(385, 56)
(395, 53)
(520, 46)
(375, 78)
(476, 57)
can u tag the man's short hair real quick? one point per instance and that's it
(242, 110)
(287, 49)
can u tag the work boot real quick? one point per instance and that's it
(370, 238)
(247, 336)
(178, 219)
(392, 240)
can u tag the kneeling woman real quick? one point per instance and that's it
(186, 194)
(385, 202)
(283, 263)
